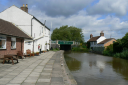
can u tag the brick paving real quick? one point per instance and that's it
(45, 69)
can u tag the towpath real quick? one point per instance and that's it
(45, 69)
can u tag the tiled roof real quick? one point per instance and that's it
(7, 28)
(93, 39)
(105, 41)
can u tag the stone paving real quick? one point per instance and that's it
(36, 70)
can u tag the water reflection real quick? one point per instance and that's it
(99, 64)
(120, 66)
(72, 63)
(100, 69)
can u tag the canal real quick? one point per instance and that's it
(94, 69)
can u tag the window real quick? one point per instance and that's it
(2, 44)
(94, 43)
(29, 43)
(113, 41)
(13, 43)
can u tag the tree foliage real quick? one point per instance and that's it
(124, 41)
(68, 34)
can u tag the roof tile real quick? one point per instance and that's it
(8, 28)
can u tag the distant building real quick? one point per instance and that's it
(100, 41)
(30, 25)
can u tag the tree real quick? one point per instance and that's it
(68, 34)
(124, 41)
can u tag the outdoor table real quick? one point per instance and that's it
(10, 57)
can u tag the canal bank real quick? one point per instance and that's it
(45, 69)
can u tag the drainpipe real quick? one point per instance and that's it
(31, 25)
(21, 45)
(31, 32)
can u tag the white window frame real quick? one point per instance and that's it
(14, 40)
(2, 37)
(3, 46)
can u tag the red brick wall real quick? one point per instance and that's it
(8, 46)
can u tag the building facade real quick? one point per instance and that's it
(29, 25)
(11, 38)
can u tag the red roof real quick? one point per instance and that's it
(93, 39)
(7, 28)
(106, 40)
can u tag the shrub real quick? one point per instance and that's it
(123, 54)
(84, 46)
(117, 47)
(77, 49)
(108, 51)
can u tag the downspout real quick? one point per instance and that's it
(21, 45)
(31, 32)
(31, 26)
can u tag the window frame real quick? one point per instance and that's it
(4, 44)
(13, 39)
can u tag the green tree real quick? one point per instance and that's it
(124, 41)
(68, 34)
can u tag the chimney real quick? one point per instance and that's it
(25, 8)
(91, 35)
(101, 34)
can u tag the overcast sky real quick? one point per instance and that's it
(92, 16)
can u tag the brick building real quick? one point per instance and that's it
(11, 38)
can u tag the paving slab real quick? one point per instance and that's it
(45, 69)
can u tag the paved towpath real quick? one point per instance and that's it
(38, 70)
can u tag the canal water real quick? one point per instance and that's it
(94, 69)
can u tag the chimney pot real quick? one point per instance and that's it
(26, 5)
(91, 35)
(101, 34)
(25, 8)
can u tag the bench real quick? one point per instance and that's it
(28, 53)
(20, 54)
(10, 57)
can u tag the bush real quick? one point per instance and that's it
(108, 51)
(84, 46)
(77, 49)
(117, 47)
(88, 45)
(123, 54)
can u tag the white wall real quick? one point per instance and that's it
(23, 21)
(18, 17)
(101, 39)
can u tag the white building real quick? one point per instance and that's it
(100, 41)
(30, 25)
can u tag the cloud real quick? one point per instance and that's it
(112, 26)
(73, 13)
(117, 7)
(54, 8)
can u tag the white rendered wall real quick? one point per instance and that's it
(101, 39)
(23, 21)
(18, 17)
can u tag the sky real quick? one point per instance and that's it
(92, 16)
